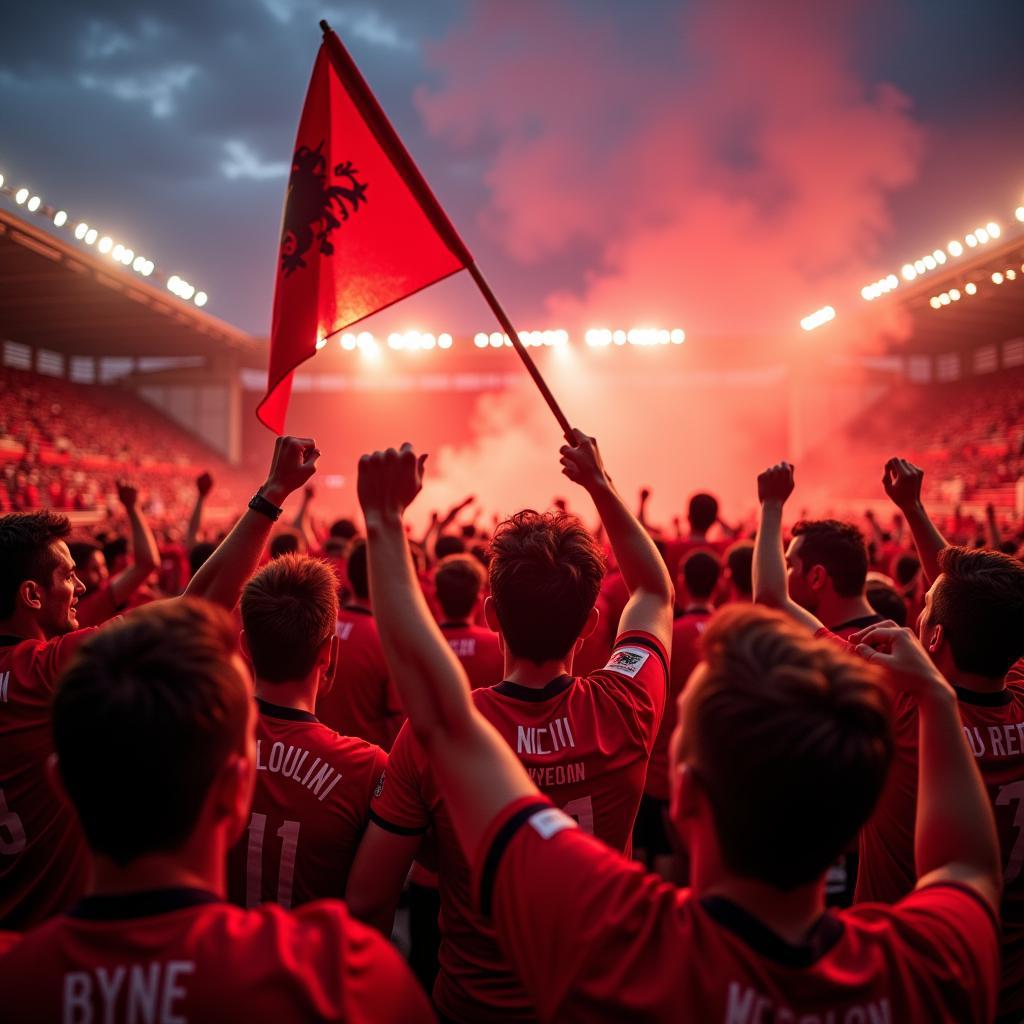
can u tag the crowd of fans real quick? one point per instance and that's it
(606, 768)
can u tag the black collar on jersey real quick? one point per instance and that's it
(123, 905)
(355, 608)
(10, 641)
(760, 938)
(455, 625)
(984, 698)
(862, 623)
(531, 694)
(280, 711)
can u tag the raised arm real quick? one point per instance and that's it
(204, 484)
(771, 587)
(145, 554)
(902, 482)
(651, 595)
(955, 835)
(221, 577)
(477, 771)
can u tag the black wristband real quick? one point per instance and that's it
(267, 508)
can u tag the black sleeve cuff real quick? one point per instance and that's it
(398, 830)
(497, 850)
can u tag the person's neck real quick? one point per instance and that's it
(299, 694)
(536, 677)
(22, 625)
(161, 871)
(835, 610)
(790, 914)
(970, 680)
(697, 535)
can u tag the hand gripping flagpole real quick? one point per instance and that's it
(390, 142)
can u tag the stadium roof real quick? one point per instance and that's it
(59, 297)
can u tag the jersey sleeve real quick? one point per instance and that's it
(51, 658)
(577, 921)
(398, 804)
(949, 937)
(636, 677)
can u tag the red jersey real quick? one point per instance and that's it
(184, 955)
(479, 651)
(846, 629)
(585, 742)
(363, 701)
(994, 726)
(687, 631)
(595, 938)
(43, 859)
(677, 550)
(309, 810)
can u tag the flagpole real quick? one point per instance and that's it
(513, 336)
(388, 138)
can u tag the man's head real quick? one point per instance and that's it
(343, 529)
(973, 617)
(885, 600)
(289, 613)
(782, 746)
(154, 732)
(37, 573)
(90, 564)
(826, 559)
(739, 563)
(699, 575)
(906, 570)
(448, 544)
(702, 513)
(286, 542)
(545, 575)
(357, 570)
(457, 583)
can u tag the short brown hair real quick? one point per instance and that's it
(545, 572)
(289, 608)
(792, 741)
(840, 548)
(458, 582)
(979, 602)
(143, 720)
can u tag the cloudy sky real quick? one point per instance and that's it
(723, 166)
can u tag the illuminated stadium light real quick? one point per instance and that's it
(945, 299)
(619, 337)
(818, 318)
(909, 272)
(597, 337)
(34, 203)
(348, 342)
(981, 235)
(80, 230)
(971, 288)
(934, 302)
(106, 244)
(394, 341)
(929, 262)
(920, 266)
(939, 256)
(201, 299)
(148, 268)
(677, 335)
(997, 278)
(993, 229)
(367, 345)
(90, 236)
(138, 263)
(498, 340)
(971, 240)
(480, 340)
(20, 196)
(1010, 274)
(1018, 213)
(1, 181)
(955, 248)
(117, 252)
(444, 341)
(954, 294)
(60, 218)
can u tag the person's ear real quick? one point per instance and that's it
(936, 640)
(684, 800)
(331, 648)
(32, 594)
(230, 796)
(591, 624)
(817, 577)
(491, 615)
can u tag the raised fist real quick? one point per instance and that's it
(902, 482)
(294, 462)
(581, 462)
(389, 481)
(776, 483)
(204, 484)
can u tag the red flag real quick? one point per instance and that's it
(361, 227)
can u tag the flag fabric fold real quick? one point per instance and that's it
(361, 228)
